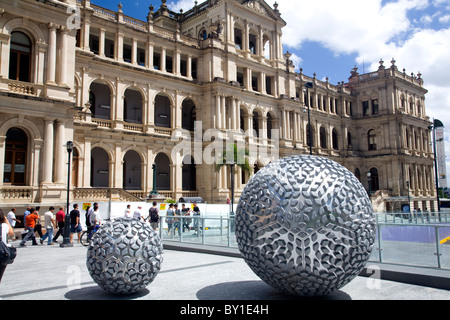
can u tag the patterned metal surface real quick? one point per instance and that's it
(124, 256)
(305, 225)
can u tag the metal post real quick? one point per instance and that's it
(436, 170)
(438, 254)
(66, 240)
(154, 191)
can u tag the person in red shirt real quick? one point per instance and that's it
(60, 218)
(30, 223)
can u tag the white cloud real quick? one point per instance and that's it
(374, 29)
(182, 4)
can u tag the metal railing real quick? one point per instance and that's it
(412, 240)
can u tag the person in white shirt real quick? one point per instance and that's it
(49, 225)
(128, 211)
(12, 219)
(95, 216)
(138, 213)
(7, 230)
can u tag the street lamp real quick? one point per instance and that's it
(309, 85)
(369, 180)
(232, 190)
(436, 123)
(154, 192)
(66, 240)
(409, 199)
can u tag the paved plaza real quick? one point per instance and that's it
(53, 273)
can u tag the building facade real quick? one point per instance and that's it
(128, 93)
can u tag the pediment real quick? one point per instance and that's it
(261, 7)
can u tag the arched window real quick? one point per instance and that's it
(100, 100)
(358, 174)
(162, 111)
(374, 182)
(323, 138)
(132, 106)
(269, 126)
(188, 115)
(189, 174)
(20, 57)
(132, 171)
(256, 123)
(371, 137)
(99, 168)
(335, 139)
(162, 162)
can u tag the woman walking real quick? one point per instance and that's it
(7, 230)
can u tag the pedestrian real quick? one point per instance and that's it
(88, 218)
(7, 230)
(128, 211)
(60, 217)
(12, 220)
(30, 223)
(153, 216)
(75, 225)
(26, 213)
(169, 219)
(49, 223)
(94, 216)
(137, 214)
(196, 214)
(176, 220)
(38, 227)
(186, 212)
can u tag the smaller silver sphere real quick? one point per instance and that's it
(124, 256)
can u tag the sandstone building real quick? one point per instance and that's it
(121, 89)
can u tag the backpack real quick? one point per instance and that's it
(7, 254)
(153, 215)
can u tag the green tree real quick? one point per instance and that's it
(234, 156)
(237, 156)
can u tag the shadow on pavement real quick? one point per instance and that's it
(97, 293)
(256, 290)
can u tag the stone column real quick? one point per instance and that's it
(47, 161)
(60, 152)
(101, 46)
(51, 56)
(64, 54)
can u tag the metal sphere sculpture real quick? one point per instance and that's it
(305, 225)
(124, 256)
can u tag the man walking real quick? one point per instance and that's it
(75, 225)
(49, 225)
(60, 217)
(30, 223)
(153, 216)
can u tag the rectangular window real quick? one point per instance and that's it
(126, 53)
(365, 106)
(269, 85)
(375, 106)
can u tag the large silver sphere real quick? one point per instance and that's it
(305, 225)
(124, 256)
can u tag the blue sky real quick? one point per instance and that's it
(330, 37)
